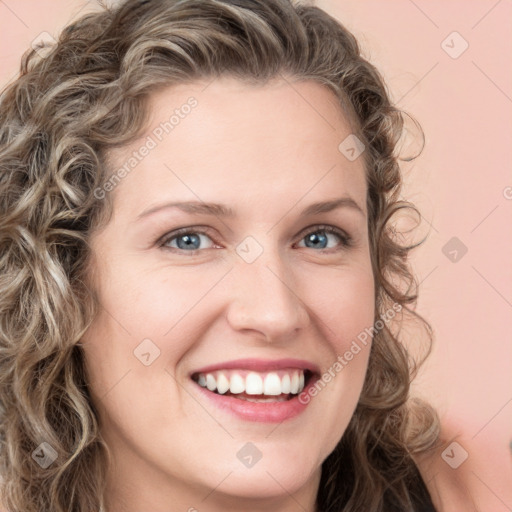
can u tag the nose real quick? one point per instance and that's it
(265, 299)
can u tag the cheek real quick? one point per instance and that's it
(148, 319)
(344, 301)
(345, 307)
(151, 302)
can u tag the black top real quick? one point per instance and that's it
(424, 501)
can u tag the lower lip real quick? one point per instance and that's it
(265, 412)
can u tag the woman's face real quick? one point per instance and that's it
(203, 337)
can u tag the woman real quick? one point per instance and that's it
(202, 287)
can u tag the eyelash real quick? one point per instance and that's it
(345, 239)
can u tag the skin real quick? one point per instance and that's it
(267, 152)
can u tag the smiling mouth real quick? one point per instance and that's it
(252, 386)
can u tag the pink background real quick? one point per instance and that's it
(460, 181)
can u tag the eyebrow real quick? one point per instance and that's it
(220, 210)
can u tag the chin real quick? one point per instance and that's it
(271, 481)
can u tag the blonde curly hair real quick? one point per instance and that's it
(57, 122)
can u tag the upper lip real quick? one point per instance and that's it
(259, 365)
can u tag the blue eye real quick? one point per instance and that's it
(319, 238)
(185, 240)
(189, 239)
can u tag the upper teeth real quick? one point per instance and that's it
(253, 383)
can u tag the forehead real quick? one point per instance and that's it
(244, 142)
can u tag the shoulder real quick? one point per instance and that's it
(454, 473)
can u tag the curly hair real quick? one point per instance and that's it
(89, 93)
